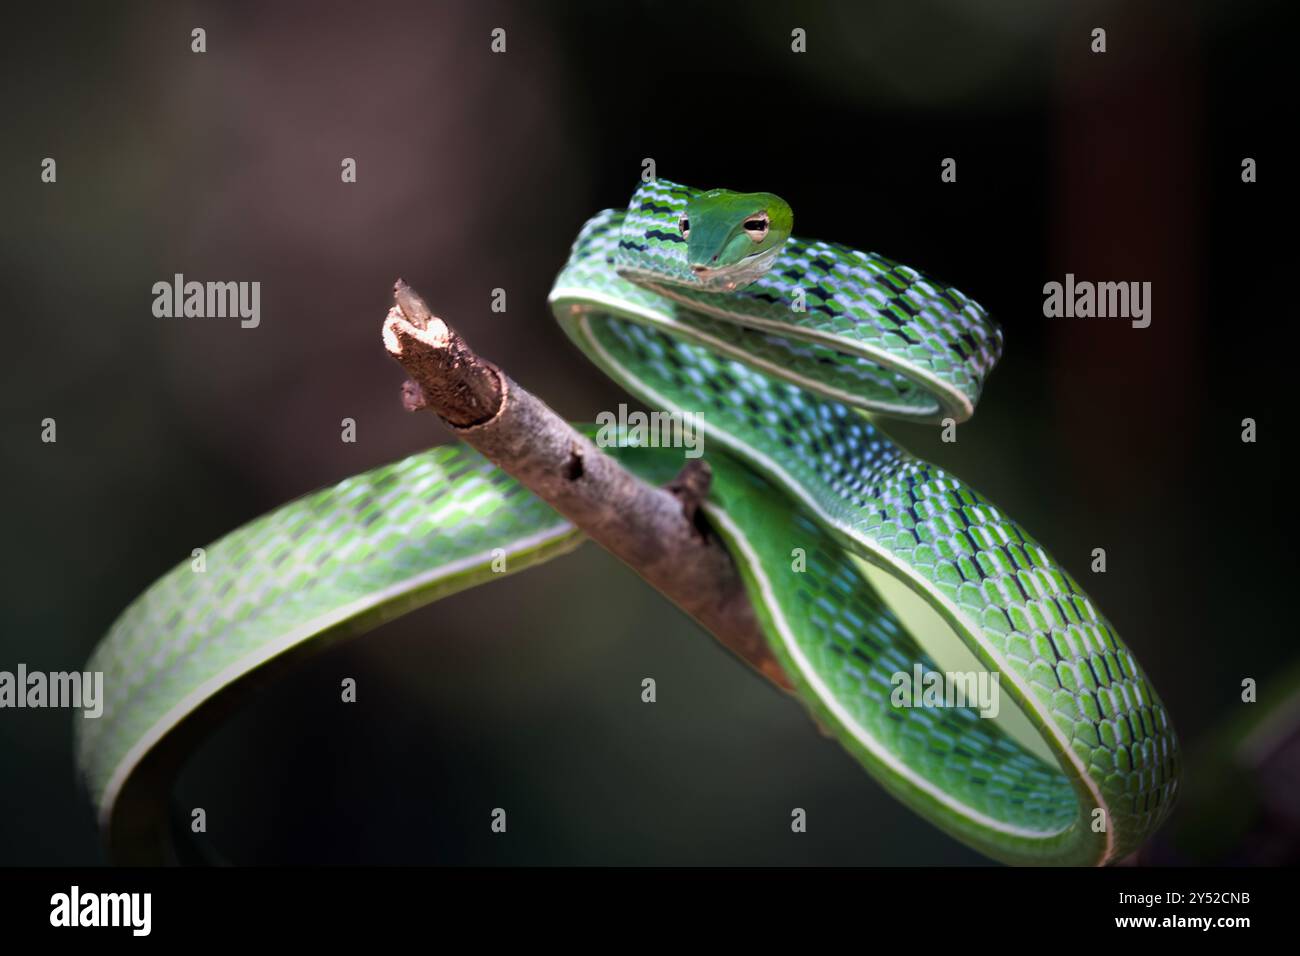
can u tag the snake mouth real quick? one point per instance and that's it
(717, 279)
(736, 276)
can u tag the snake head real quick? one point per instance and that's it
(732, 238)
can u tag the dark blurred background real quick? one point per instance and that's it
(475, 171)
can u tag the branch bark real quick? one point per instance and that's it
(655, 531)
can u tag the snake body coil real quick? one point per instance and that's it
(779, 356)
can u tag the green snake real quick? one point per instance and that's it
(704, 303)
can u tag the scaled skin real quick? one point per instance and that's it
(732, 238)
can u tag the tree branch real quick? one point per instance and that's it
(655, 531)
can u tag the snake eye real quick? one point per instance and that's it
(684, 225)
(756, 227)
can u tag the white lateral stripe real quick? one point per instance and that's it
(948, 398)
(828, 698)
(194, 698)
(936, 596)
